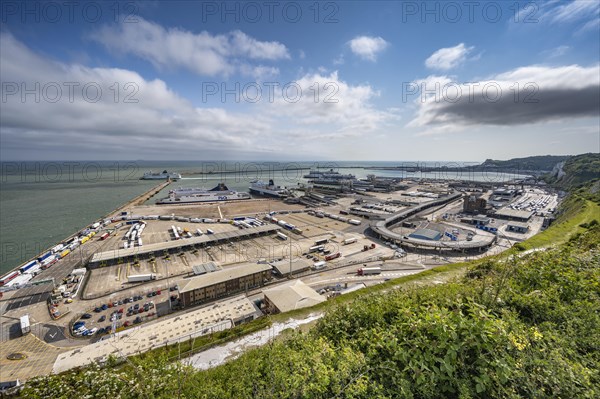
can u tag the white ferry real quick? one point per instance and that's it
(164, 175)
(268, 190)
(190, 196)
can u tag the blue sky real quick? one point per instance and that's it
(395, 80)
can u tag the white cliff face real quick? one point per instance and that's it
(558, 170)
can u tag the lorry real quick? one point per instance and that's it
(319, 265)
(104, 236)
(25, 325)
(367, 247)
(333, 256)
(368, 271)
(354, 222)
(282, 236)
(349, 241)
(137, 278)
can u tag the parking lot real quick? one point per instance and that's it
(124, 312)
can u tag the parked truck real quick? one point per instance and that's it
(333, 256)
(137, 278)
(349, 241)
(368, 271)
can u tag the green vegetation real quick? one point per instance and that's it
(539, 163)
(512, 327)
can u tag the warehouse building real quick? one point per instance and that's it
(291, 296)
(474, 204)
(223, 283)
(298, 265)
(426, 234)
(517, 227)
(513, 214)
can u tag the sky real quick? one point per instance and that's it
(191, 80)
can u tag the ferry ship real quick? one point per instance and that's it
(195, 195)
(164, 175)
(329, 175)
(268, 190)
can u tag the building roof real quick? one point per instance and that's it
(513, 213)
(177, 328)
(426, 234)
(204, 268)
(518, 224)
(293, 295)
(221, 276)
(161, 246)
(283, 266)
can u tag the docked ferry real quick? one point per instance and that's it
(164, 175)
(195, 195)
(269, 190)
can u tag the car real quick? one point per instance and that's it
(126, 324)
(130, 299)
(120, 310)
(173, 288)
(101, 319)
(158, 292)
(69, 300)
(86, 316)
(149, 295)
(140, 310)
(91, 332)
(104, 307)
(136, 306)
(119, 302)
(110, 305)
(130, 313)
(119, 316)
(100, 331)
(97, 309)
(78, 325)
(137, 320)
(173, 297)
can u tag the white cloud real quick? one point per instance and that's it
(165, 125)
(556, 51)
(573, 11)
(202, 53)
(448, 58)
(367, 47)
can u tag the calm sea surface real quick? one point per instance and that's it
(42, 203)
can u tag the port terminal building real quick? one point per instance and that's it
(223, 283)
(291, 296)
(118, 256)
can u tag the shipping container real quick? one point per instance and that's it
(9, 277)
(28, 266)
(58, 248)
(44, 256)
(141, 277)
(282, 236)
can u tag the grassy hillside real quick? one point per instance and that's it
(581, 176)
(539, 163)
(512, 327)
